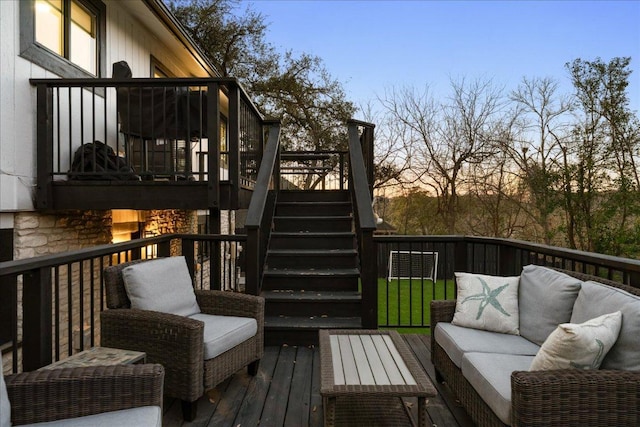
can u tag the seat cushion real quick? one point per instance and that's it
(222, 333)
(596, 299)
(163, 285)
(135, 417)
(5, 406)
(545, 300)
(490, 375)
(458, 340)
(579, 346)
(486, 302)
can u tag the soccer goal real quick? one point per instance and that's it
(413, 265)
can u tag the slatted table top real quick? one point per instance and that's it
(370, 362)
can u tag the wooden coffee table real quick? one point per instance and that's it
(99, 356)
(371, 370)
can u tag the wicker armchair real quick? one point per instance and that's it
(176, 342)
(564, 397)
(59, 394)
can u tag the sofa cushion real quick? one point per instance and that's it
(545, 299)
(490, 375)
(5, 406)
(486, 302)
(163, 285)
(596, 299)
(458, 340)
(222, 333)
(581, 346)
(134, 417)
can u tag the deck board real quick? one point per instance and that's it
(286, 392)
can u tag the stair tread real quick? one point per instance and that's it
(289, 294)
(312, 217)
(312, 322)
(314, 252)
(312, 233)
(312, 272)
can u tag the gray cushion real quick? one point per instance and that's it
(222, 333)
(5, 406)
(458, 340)
(546, 299)
(490, 376)
(135, 417)
(161, 285)
(596, 299)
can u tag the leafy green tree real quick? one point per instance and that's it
(602, 189)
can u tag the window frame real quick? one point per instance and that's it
(50, 61)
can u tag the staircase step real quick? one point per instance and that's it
(312, 303)
(312, 240)
(313, 208)
(333, 279)
(313, 196)
(303, 330)
(312, 258)
(342, 223)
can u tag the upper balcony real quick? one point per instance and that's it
(158, 153)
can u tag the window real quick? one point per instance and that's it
(64, 36)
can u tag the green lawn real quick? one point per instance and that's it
(408, 303)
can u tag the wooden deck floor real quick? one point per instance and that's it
(286, 392)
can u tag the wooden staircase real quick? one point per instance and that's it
(311, 274)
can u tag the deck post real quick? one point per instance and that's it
(37, 322)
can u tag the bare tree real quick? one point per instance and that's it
(536, 152)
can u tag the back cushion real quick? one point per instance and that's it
(161, 285)
(596, 299)
(5, 406)
(546, 299)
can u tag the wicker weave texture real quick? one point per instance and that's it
(57, 394)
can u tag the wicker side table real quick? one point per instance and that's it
(365, 373)
(99, 356)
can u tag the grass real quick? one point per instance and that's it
(404, 304)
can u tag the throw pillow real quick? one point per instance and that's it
(581, 346)
(162, 284)
(545, 300)
(487, 302)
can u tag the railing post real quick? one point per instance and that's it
(189, 253)
(213, 158)
(253, 261)
(164, 248)
(507, 260)
(368, 275)
(37, 320)
(234, 145)
(44, 132)
(460, 256)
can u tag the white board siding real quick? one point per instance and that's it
(129, 37)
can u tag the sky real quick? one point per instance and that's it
(373, 45)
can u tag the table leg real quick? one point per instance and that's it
(329, 404)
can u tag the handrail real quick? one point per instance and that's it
(359, 181)
(259, 217)
(365, 224)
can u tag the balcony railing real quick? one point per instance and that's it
(56, 300)
(138, 131)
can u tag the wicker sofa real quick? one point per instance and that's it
(517, 396)
(123, 395)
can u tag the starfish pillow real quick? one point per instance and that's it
(487, 302)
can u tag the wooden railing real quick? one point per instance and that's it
(154, 130)
(314, 170)
(56, 300)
